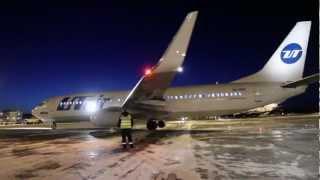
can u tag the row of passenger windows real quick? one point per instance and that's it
(204, 95)
(69, 103)
(82, 102)
(176, 97)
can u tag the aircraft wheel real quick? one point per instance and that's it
(152, 125)
(161, 124)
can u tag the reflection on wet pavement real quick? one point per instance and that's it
(285, 149)
(286, 153)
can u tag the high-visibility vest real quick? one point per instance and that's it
(125, 122)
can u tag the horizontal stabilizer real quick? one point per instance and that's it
(305, 81)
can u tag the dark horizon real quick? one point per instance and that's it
(49, 49)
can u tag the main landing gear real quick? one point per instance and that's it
(153, 124)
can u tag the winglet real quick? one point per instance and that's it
(153, 84)
(175, 53)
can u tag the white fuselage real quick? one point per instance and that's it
(151, 98)
(192, 101)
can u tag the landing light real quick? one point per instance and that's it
(180, 69)
(91, 106)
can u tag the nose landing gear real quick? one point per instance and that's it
(53, 125)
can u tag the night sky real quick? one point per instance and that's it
(55, 48)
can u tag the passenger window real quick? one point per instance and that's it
(62, 104)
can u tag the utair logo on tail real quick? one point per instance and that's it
(291, 53)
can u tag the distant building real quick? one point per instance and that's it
(11, 116)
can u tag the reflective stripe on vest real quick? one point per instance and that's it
(125, 122)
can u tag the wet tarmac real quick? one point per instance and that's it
(285, 148)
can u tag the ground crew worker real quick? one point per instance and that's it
(125, 124)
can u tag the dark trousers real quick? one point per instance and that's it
(126, 133)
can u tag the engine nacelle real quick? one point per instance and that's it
(106, 117)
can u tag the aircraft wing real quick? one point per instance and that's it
(305, 81)
(154, 83)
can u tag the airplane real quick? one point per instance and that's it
(153, 100)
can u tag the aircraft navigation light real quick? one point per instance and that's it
(147, 71)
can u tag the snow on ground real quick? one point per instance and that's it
(286, 151)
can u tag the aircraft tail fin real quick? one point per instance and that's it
(287, 62)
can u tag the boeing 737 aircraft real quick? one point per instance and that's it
(152, 98)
